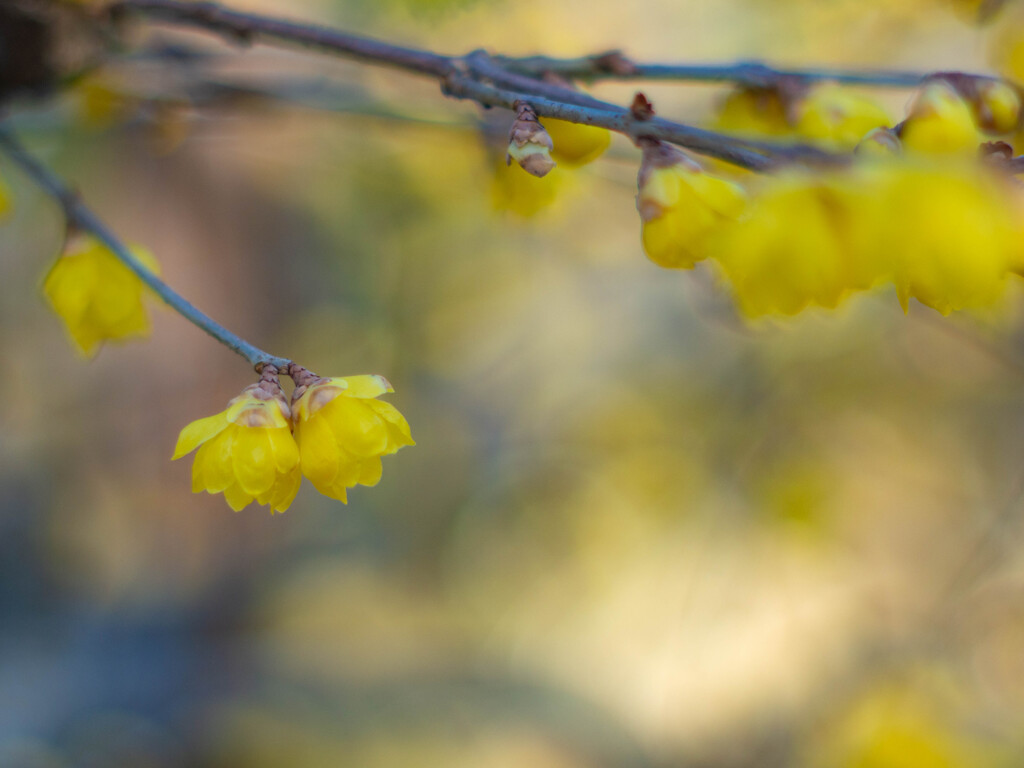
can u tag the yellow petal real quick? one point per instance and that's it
(198, 476)
(215, 456)
(199, 432)
(357, 429)
(365, 385)
(370, 471)
(280, 497)
(399, 433)
(286, 452)
(318, 451)
(236, 498)
(253, 460)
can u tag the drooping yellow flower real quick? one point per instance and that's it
(754, 111)
(799, 245)
(342, 430)
(97, 296)
(680, 204)
(953, 233)
(838, 116)
(246, 451)
(940, 122)
(522, 194)
(946, 234)
(576, 144)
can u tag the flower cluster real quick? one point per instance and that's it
(334, 432)
(917, 209)
(96, 295)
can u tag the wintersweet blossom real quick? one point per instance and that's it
(940, 122)
(798, 245)
(342, 430)
(96, 295)
(945, 234)
(838, 116)
(754, 111)
(5, 198)
(680, 204)
(247, 451)
(576, 144)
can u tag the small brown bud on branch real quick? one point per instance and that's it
(528, 143)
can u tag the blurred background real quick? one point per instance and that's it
(636, 530)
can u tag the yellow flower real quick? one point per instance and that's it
(998, 107)
(799, 246)
(521, 193)
(97, 296)
(947, 235)
(940, 122)
(5, 198)
(838, 116)
(343, 430)
(680, 205)
(247, 451)
(576, 144)
(953, 233)
(754, 111)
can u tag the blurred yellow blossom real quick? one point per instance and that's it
(247, 451)
(679, 204)
(953, 233)
(99, 103)
(342, 430)
(947, 235)
(522, 193)
(998, 106)
(940, 122)
(5, 198)
(838, 116)
(756, 111)
(797, 246)
(576, 144)
(96, 295)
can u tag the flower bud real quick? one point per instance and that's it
(528, 143)
(680, 204)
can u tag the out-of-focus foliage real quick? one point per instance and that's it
(635, 530)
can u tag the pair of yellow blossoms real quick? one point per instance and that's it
(335, 433)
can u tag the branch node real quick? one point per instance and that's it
(641, 109)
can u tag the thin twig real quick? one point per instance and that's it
(705, 142)
(475, 76)
(81, 216)
(248, 28)
(614, 66)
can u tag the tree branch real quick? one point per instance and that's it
(464, 77)
(613, 65)
(81, 216)
(247, 28)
